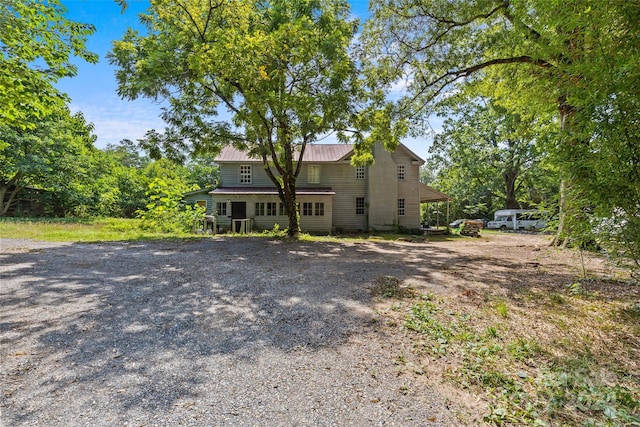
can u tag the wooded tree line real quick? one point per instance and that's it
(74, 178)
(542, 95)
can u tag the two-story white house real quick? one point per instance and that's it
(332, 194)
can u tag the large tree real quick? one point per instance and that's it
(561, 51)
(282, 69)
(56, 155)
(485, 154)
(37, 42)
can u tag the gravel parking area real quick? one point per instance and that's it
(213, 331)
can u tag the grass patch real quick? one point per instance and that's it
(538, 379)
(126, 229)
(79, 230)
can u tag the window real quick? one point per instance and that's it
(319, 209)
(313, 174)
(359, 172)
(400, 207)
(259, 208)
(245, 174)
(307, 209)
(283, 211)
(400, 172)
(201, 203)
(272, 208)
(359, 205)
(221, 208)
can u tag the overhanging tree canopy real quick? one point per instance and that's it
(580, 56)
(36, 44)
(282, 69)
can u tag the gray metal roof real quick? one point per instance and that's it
(313, 153)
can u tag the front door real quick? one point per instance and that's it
(238, 211)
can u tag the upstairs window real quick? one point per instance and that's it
(313, 174)
(245, 174)
(401, 173)
(359, 172)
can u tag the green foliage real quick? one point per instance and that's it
(166, 213)
(37, 42)
(56, 156)
(487, 158)
(578, 59)
(275, 232)
(283, 70)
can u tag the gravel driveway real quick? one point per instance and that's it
(221, 331)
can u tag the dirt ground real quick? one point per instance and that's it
(246, 331)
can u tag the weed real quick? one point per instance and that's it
(492, 332)
(523, 349)
(502, 309)
(575, 289)
(562, 392)
(556, 298)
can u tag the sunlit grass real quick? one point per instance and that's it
(120, 229)
(78, 230)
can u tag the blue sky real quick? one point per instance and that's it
(93, 90)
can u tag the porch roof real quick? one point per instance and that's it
(270, 191)
(430, 194)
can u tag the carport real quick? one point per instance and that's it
(431, 195)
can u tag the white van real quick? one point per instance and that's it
(518, 219)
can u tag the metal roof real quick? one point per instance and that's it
(271, 191)
(430, 194)
(312, 153)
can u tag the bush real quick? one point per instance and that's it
(166, 213)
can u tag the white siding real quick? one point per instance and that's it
(381, 190)
(230, 175)
(408, 189)
(341, 177)
(266, 222)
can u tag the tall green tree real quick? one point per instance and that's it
(37, 42)
(561, 52)
(486, 154)
(282, 69)
(56, 155)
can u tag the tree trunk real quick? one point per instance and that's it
(3, 208)
(510, 177)
(4, 188)
(291, 206)
(560, 239)
(286, 185)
